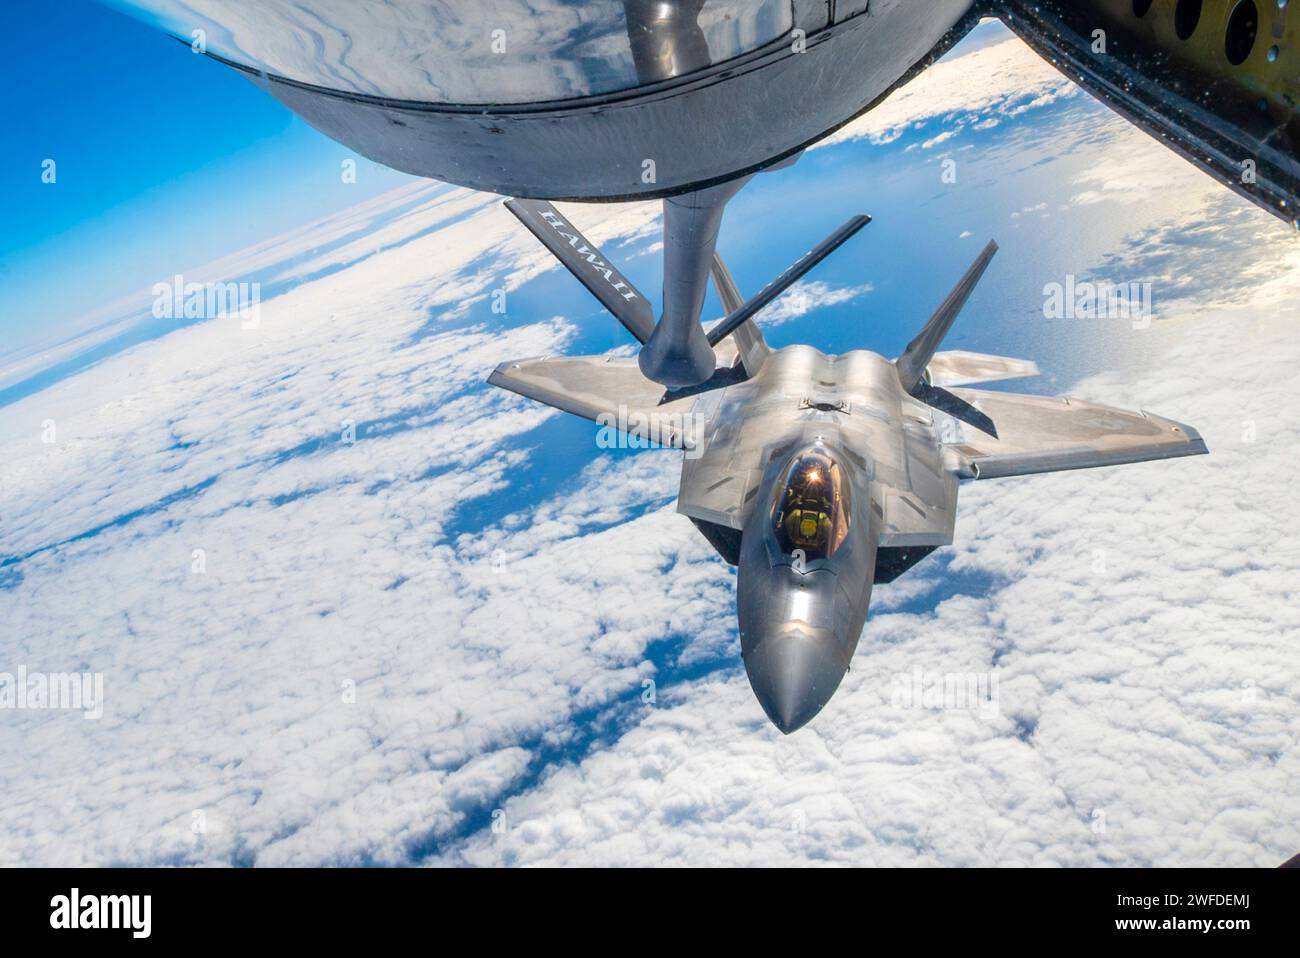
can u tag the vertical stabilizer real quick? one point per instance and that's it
(750, 345)
(911, 365)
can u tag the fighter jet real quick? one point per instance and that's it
(685, 100)
(819, 476)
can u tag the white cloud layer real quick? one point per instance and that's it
(808, 297)
(390, 642)
(980, 89)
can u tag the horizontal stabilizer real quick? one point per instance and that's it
(585, 261)
(960, 368)
(911, 365)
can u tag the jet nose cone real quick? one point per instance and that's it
(794, 674)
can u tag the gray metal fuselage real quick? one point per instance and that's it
(800, 617)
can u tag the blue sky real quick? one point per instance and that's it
(165, 161)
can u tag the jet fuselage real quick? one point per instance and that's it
(808, 551)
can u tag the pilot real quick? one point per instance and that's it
(807, 507)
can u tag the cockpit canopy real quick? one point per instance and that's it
(812, 511)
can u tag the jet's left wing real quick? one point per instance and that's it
(1049, 434)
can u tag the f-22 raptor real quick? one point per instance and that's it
(819, 476)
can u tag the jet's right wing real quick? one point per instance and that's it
(721, 468)
(611, 391)
(1049, 434)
